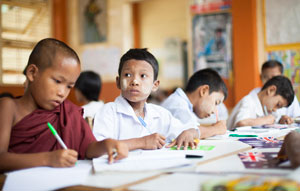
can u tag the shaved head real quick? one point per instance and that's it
(45, 52)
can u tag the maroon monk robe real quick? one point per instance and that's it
(32, 135)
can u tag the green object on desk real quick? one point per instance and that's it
(200, 147)
(240, 135)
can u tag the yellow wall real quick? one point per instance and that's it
(158, 21)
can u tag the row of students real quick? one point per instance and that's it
(128, 123)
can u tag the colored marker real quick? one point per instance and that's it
(193, 156)
(57, 136)
(238, 135)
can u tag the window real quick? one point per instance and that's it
(22, 24)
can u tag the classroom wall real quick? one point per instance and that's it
(158, 21)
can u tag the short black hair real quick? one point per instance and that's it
(272, 64)
(89, 84)
(139, 54)
(6, 94)
(45, 52)
(284, 88)
(207, 77)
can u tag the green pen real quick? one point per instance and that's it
(56, 136)
(238, 135)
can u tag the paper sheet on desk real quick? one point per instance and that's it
(47, 178)
(146, 160)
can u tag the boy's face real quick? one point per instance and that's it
(269, 73)
(206, 104)
(136, 80)
(51, 86)
(273, 101)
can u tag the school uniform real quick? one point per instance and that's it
(292, 111)
(248, 108)
(90, 109)
(181, 107)
(118, 120)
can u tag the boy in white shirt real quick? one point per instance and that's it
(256, 109)
(284, 115)
(205, 90)
(130, 119)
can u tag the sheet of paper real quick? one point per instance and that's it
(145, 160)
(47, 178)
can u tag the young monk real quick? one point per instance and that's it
(25, 139)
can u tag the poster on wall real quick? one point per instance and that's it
(212, 46)
(93, 21)
(291, 62)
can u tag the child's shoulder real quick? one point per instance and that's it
(157, 109)
(7, 102)
(8, 109)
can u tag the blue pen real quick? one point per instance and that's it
(142, 121)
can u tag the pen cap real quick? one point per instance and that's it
(52, 128)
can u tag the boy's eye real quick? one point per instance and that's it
(57, 81)
(127, 75)
(69, 87)
(143, 75)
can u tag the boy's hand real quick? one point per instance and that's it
(285, 120)
(116, 150)
(221, 127)
(185, 139)
(269, 119)
(154, 141)
(62, 158)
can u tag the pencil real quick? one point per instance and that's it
(56, 136)
(265, 110)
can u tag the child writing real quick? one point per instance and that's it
(254, 109)
(87, 91)
(25, 139)
(284, 115)
(204, 91)
(129, 118)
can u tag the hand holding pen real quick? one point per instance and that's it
(61, 158)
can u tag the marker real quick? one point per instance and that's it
(193, 156)
(238, 135)
(57, 136)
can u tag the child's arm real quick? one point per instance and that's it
(109, 146)
(12, 161)
(269, 119)
(218, 128)
(185, 139)
(149, 142)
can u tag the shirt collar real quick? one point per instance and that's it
(259, 110)
(183, 95)
(125, 108)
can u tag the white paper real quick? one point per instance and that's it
(47, 178)
(144, 161)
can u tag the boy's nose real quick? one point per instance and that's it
(134, 82)
(61, 92)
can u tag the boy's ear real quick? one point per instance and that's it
(155, 85)
(118, 82)
(271, 90)
(203, 90)
(31, 72)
